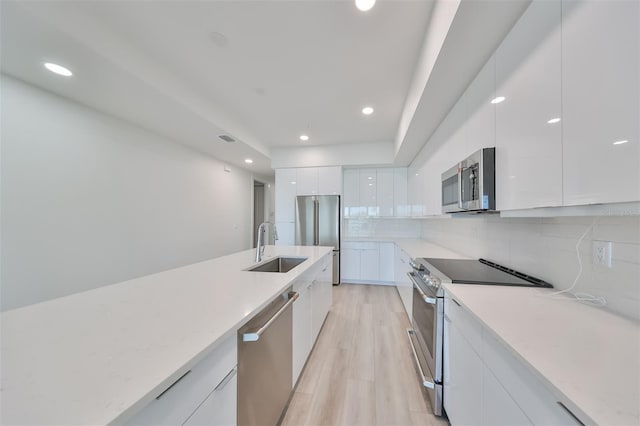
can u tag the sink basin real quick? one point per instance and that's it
(279, 264)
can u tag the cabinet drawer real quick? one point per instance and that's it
(468, 326)
(179, 400)
(535, 400)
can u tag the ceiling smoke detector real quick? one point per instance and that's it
(227, 138)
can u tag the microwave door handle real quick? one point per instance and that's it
(460, 186)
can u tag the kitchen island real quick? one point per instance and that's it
(99, 356)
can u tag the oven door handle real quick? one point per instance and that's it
(425, 382)
(427, 299)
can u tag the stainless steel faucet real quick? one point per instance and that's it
(260, 243)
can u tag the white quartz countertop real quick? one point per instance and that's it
(587, 356)
(423, 248)
(97, 357)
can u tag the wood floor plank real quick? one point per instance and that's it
(361, 370)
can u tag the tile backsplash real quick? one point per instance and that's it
(380, 228)
(546, 248)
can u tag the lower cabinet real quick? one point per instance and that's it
(315, 289)
(204, 395)
(367, 262)
(484, 384)
(403, 284)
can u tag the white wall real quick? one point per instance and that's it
(89, 200)
(375, 153)
(545, 248)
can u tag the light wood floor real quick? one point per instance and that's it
(361, 370)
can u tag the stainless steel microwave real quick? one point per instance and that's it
(470, 185)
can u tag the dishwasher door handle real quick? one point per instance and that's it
(253, 337)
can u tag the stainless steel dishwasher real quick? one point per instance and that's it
(265, 363)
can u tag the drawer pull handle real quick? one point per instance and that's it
(425, 382)
(172, 385)
(570, 413)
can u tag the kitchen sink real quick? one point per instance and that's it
(278, 264)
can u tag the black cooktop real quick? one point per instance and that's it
(481, 271)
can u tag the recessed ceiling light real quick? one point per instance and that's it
(370, 178)
(365, 5)
(304, 137)
(498, 100)
(620, 142)
(248, 160)
(554, 120)
(58, 69)
(293, 182)
(370, 184)
(367, 110)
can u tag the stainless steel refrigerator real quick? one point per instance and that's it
(318, 224)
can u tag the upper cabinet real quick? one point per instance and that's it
(529, 119)
(380, 192)
(330, 180)
(285, 194)
(307, 181)
(600, 97)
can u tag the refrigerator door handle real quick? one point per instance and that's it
(316, 222)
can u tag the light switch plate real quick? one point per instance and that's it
(602, 253)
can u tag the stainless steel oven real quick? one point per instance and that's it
(470, 184)
(426, 336)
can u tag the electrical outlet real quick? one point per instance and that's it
(602, 253)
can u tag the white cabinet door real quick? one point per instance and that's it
(301, 338)
(384, 192)
(499, 408)
(330, 180)
(386, 262)
(286, 233)
(403, 284)
(481, 124)
(463, 392)
(350, 264)
(322, 296)
(220, 408)
(285, 195)
(400, 205)
(600, 101)
(528, 121)
(415, 189)
(368, 189)
(307, 179)
(369, 259)
(182, 398)
(351, 195)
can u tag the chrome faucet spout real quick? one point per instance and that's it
(260, 243)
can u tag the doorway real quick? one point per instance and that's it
(258, 208)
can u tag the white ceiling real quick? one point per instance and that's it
(261, 71)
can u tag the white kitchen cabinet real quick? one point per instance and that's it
(529, 121)
(350, 264)
(368, 192)
(413, 190)
(322, 296)
(182, 398)
(600, 101)
(498, 408)
(330, 180)
(307, 181)
(400, 203)
(369, 258)
(285, 195)
(386, 262)
(384, 192)
(286, 233)
(481, 113)
(478, 366)
(351, 194)
(220, 408)
(462, 378)
(403, 284)
(302, 340)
